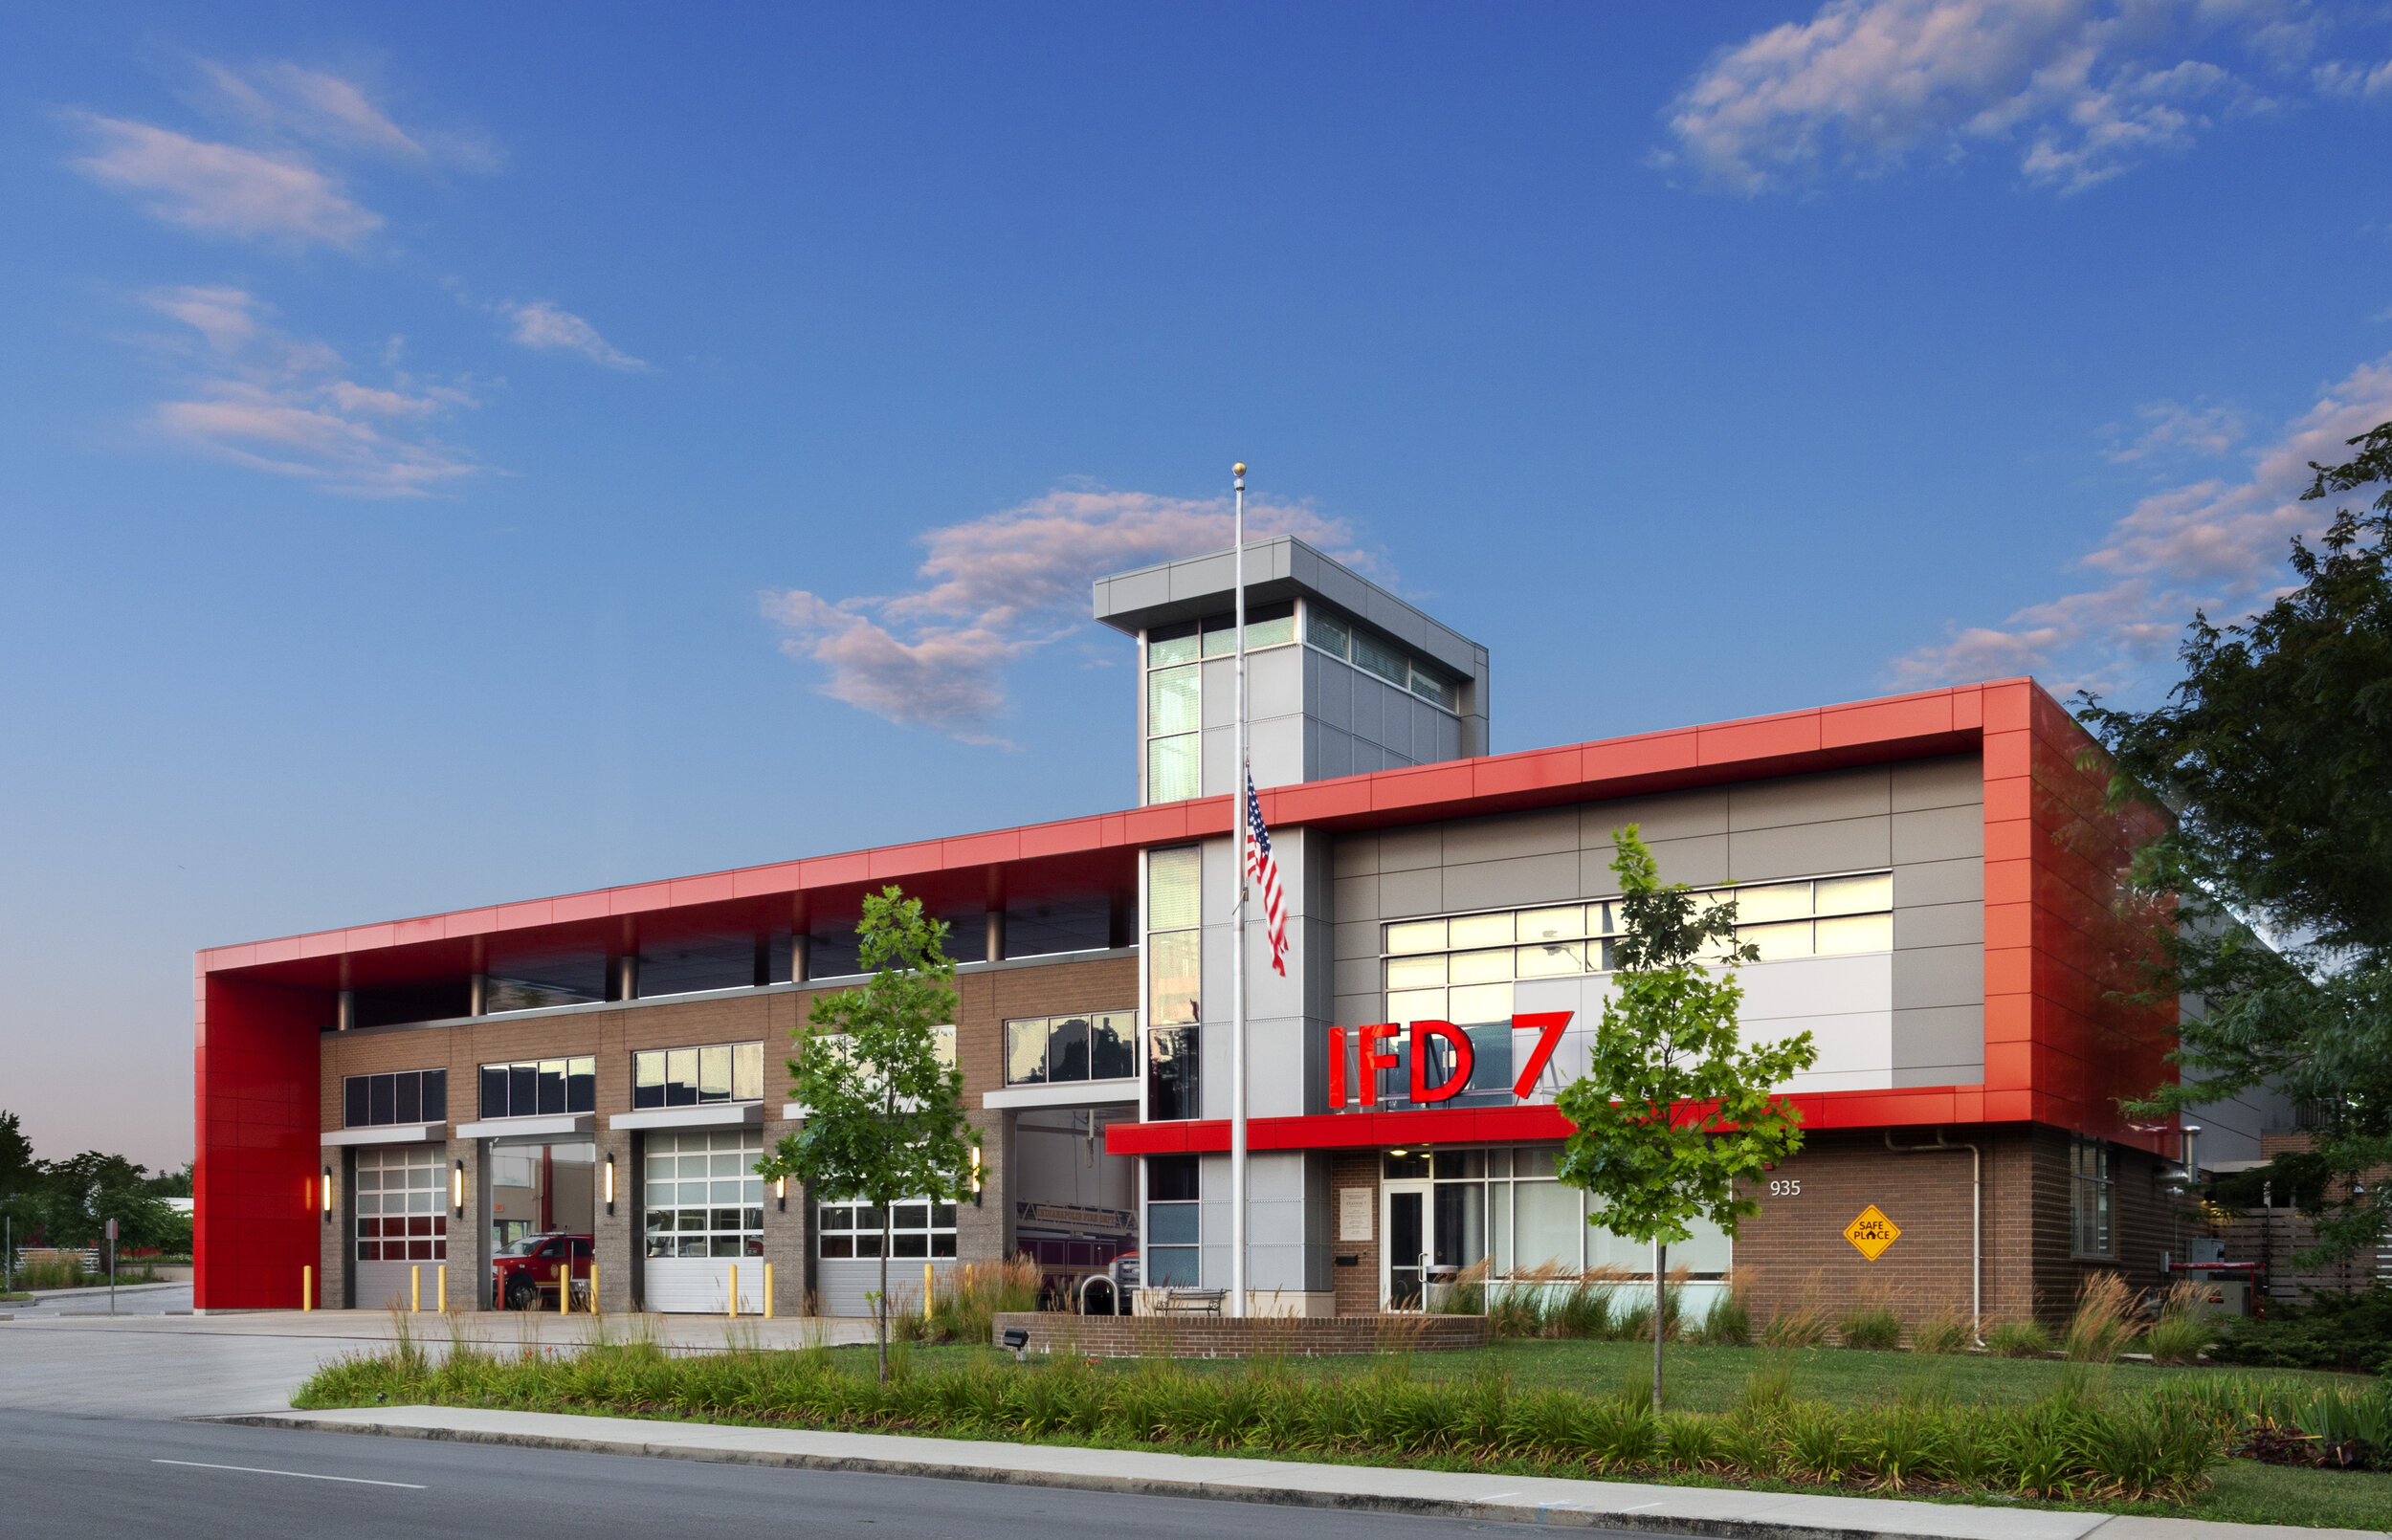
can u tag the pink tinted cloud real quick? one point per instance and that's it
(2215, 545)
(999, 587)
(223, 188)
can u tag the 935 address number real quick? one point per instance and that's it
(1786, 1189)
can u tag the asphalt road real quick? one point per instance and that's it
(80, 1474)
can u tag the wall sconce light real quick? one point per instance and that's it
(456, 1190)
(611, 1184)
(326, 1195)
(975, 1175)
(780, 1192)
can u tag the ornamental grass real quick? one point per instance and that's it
(2080, 1442)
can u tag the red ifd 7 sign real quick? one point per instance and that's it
(1548, 1026)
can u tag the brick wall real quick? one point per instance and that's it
(1206, 1336)
(986, 1000)
(1356, 1287)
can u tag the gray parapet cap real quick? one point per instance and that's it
(1285, 567)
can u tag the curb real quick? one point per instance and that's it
(1483, 1511)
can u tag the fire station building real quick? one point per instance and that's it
(1930, 880)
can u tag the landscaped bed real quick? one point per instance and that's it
(2123, 1437)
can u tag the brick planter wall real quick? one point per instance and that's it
(1119, 1336)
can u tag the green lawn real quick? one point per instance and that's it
(1699, 1378)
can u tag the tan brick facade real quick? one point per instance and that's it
(987, 997)
(1356, 1285)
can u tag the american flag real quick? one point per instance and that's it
(1262, 868)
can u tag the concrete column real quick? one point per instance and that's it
(627, 976)
(996, 935)
(469, 1234)
(477, 994)
(800, 958)
(344, 1010)
(619, 1236)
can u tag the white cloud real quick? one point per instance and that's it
(2172, 429)
(2215, 545)
(2090, 87)
(287, 407)
(223, 188)
(999, 587)
(543, 326)
(281, 98)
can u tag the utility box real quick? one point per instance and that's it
(2223, 1296)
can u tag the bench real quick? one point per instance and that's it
(1184, 1301)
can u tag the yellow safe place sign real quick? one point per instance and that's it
(1871, 1233)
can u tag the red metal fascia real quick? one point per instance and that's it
(1823, 738)
(1907, 1107)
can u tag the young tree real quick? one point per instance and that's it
(1674, 1111)
(2275, 753)
(884, 1115)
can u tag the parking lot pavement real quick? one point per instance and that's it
(160, 1365)
(133, 1299)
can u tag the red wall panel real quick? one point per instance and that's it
(257, 1161)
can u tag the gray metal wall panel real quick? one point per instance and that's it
(1939, 834)
(1357, 939)
(1275, 682)
(1806, 850)
(1521, 880)
(1813, 799)
(1219, 699)
(1410, 850)
(1356, 854)
(1411, 892)
(1549, 832)
(1673, 816)
(1956, 782)
(1939, 925)
(1940, 1045)
(1939, 975)
(1917, 884)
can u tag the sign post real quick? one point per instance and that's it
(112, 1266)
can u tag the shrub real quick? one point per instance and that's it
(1947, 1330)
(965, 1305)
(2351, 1331)
(1870, 1322)
(1729, 1321)
(1803, 1325)
(1466, 1294)
(2023, 1338)
(2103, 1323)
(2180, 1332)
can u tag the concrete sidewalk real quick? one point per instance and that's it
(1475, 1498)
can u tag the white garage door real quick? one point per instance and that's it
(705, 1214)
(402, 1223)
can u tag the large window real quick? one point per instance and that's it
(1174, 956)
(401, 1213)
(1172, 1221)
(1506, 1207)
(705, 1197)
(1048, 1050)
(535, 1088)
(2090, 1191)
(692, 1077)
(1374, 654)
(914, 1228)
(1175, 689)
(408, 1096)
(1462, 968)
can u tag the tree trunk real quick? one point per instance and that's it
(881, 1310)
(1660, 1322)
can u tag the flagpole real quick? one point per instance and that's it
(1237, 944)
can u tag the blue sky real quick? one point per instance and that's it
(451, 454)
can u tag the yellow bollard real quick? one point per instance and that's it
(415, 1289)
(593, 1288)
(767, 1290)
(308, 1289)
(928, 1281)
(735, 1292)
(441, 1277)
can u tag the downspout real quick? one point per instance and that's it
(1976, 1222)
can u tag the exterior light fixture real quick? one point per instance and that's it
(326, 1195)
(780, 1192)
(1397, 1150)
(975, 1175)
(456, 1190)
(611, 1184)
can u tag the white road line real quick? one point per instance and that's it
(303, 1475)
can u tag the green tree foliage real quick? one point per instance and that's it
(70, 1201)
(884, 1115)
(2275, 753)
(1674, 1113)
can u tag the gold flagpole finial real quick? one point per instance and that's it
(1238, 470)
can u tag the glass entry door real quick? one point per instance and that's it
(1403, 1221)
